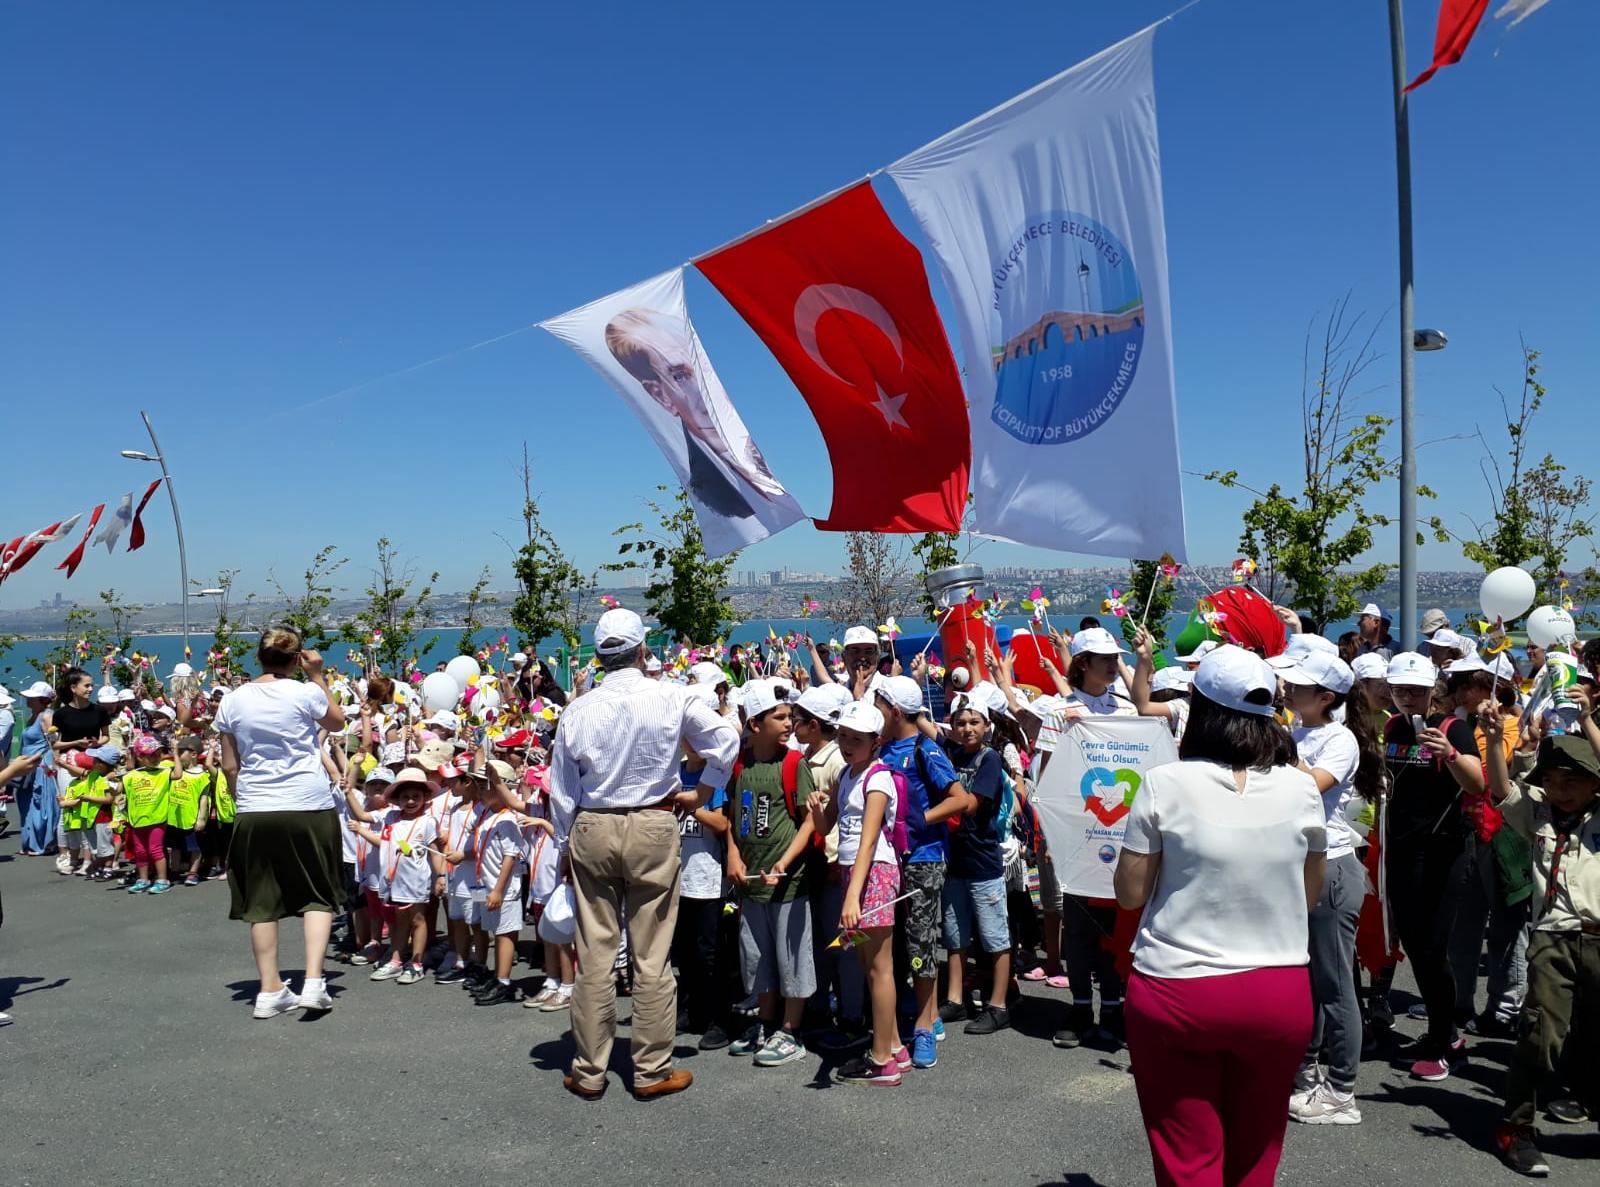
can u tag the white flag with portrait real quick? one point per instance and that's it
(1045, 215)
(643, 344)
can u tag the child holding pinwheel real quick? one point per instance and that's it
(409, 867)
(866, 808)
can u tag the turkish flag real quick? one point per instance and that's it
(842, 300)
(136, 535)
(1458, 21)
(76, 557)
(24, 548)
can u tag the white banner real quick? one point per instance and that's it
(1045, 215)
(643, 344)
(1086, 791)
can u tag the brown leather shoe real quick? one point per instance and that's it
(577, 1089)
(677, 1080)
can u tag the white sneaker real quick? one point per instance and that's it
(387, 971)
(270, 1005)
(1326, 1108)
(561, 999)
(314, 996)
(6, 1019)
(1306, 1083)
(64, 864)
(538, 1000)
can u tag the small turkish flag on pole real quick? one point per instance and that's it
(841, 298)
(136, 534)
(1458, 21)
(75, 557)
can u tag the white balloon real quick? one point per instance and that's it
(487, 699)
(1551, 626)
(440, 691)
(1507, 593)
(462, 669)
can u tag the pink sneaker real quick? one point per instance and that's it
(903, 1057)
(1439, 1069)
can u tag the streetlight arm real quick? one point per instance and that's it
(177, 519)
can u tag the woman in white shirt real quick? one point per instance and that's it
(1224, 851)
(1344, 759)
(285, 855)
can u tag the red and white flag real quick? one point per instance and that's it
(1458, 21)
(24, 548)
(136, 536)
(841, 298)
(75, 557)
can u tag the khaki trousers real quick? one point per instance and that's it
(627, 858)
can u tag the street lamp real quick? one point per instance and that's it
(1429, 340)
(210, 593)
(177, 520)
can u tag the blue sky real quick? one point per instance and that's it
(237, 216)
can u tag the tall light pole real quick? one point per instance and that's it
(1408, 443)
(177, 520)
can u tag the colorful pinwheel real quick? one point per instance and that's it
(609, 602)
(890, 628)
(1243, 569)
(1112, 604)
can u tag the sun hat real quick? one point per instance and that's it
(1321, 670)
(505, 770)
(622, 628)
(861, 718)
(904, 693)
(411, 775)
(38, 691)
(1171, 680)
(1434, 620)
(1237, 679)
(1410, 669)
(1371, 666)
(860, 635)
(1095, 641)
(433, 754)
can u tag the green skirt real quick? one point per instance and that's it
(284, 863)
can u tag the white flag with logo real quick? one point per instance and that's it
(643, 344)
(1045, 215)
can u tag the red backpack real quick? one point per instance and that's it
(790, 777)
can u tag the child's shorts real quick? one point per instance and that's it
(104, 843)
(351, 882)
(976, 910)
(81, 838)
(883, 885)
(775, 948)
(182, 840)
(921, 916)
(507, 919)
(461, 908)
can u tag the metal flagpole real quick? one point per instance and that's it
(1408, 448)
(177, 522)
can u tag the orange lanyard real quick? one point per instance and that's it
(395, 866)
(477, 842)
(454, 842)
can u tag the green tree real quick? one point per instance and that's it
(83, 640)
(685, 592)
(305, 611)
(1302, 541)
(478, 600)
(1537, 510)
(391, 623)
(550, 589)
(1145, 583)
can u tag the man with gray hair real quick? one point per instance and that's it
(613, 790)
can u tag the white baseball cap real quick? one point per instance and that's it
(760, 696)
(1467, 663)
(127, 694)
(1299, 647)
(904, 693)
(861, 717)
(1171, 680)
(445, 719)
(106, 696)
(1445, 637)
(1204, 648)
(5, 697)
(1237, 679)
(180, 670)
(622, 628)
(860, 634)
(652, 663)
(38, 691)
(1321, 670)
(518, 659)
(1095, 641)
(1372, 609)
(821, 703)
(976, 701)
(1409, 668)
(1371, 666)
(706, 672)
(704, 693)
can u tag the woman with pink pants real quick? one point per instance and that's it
(1225, 853)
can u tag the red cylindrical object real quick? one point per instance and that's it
(960, 624)
(1029, 653)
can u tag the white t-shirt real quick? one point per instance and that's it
(497, 840)
(1110, 703)
(701, 853)
(350, 842)
(457, 838)
(1334, 749)
(274, 727)
(853, 791)
(1230, 894)
(407, 877)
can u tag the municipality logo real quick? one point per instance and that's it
(1071, 318)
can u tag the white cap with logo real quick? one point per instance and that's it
(1095, 641)
(861, 718)
(1321, 670)
(1237, 679)
(904, 693)
(860, 635)
(1409, 668)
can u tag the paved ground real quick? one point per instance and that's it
(134, 1059)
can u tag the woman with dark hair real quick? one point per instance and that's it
(1345, 759)
(37, 806)
(1224, 851)
(286, 851)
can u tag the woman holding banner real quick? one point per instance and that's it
(1219, 1005)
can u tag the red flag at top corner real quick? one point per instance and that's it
(1458, 21)
(136, 534)
(841, 298)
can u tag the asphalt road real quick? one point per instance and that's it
(134, 1059)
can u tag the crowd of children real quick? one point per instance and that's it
(861, 848)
